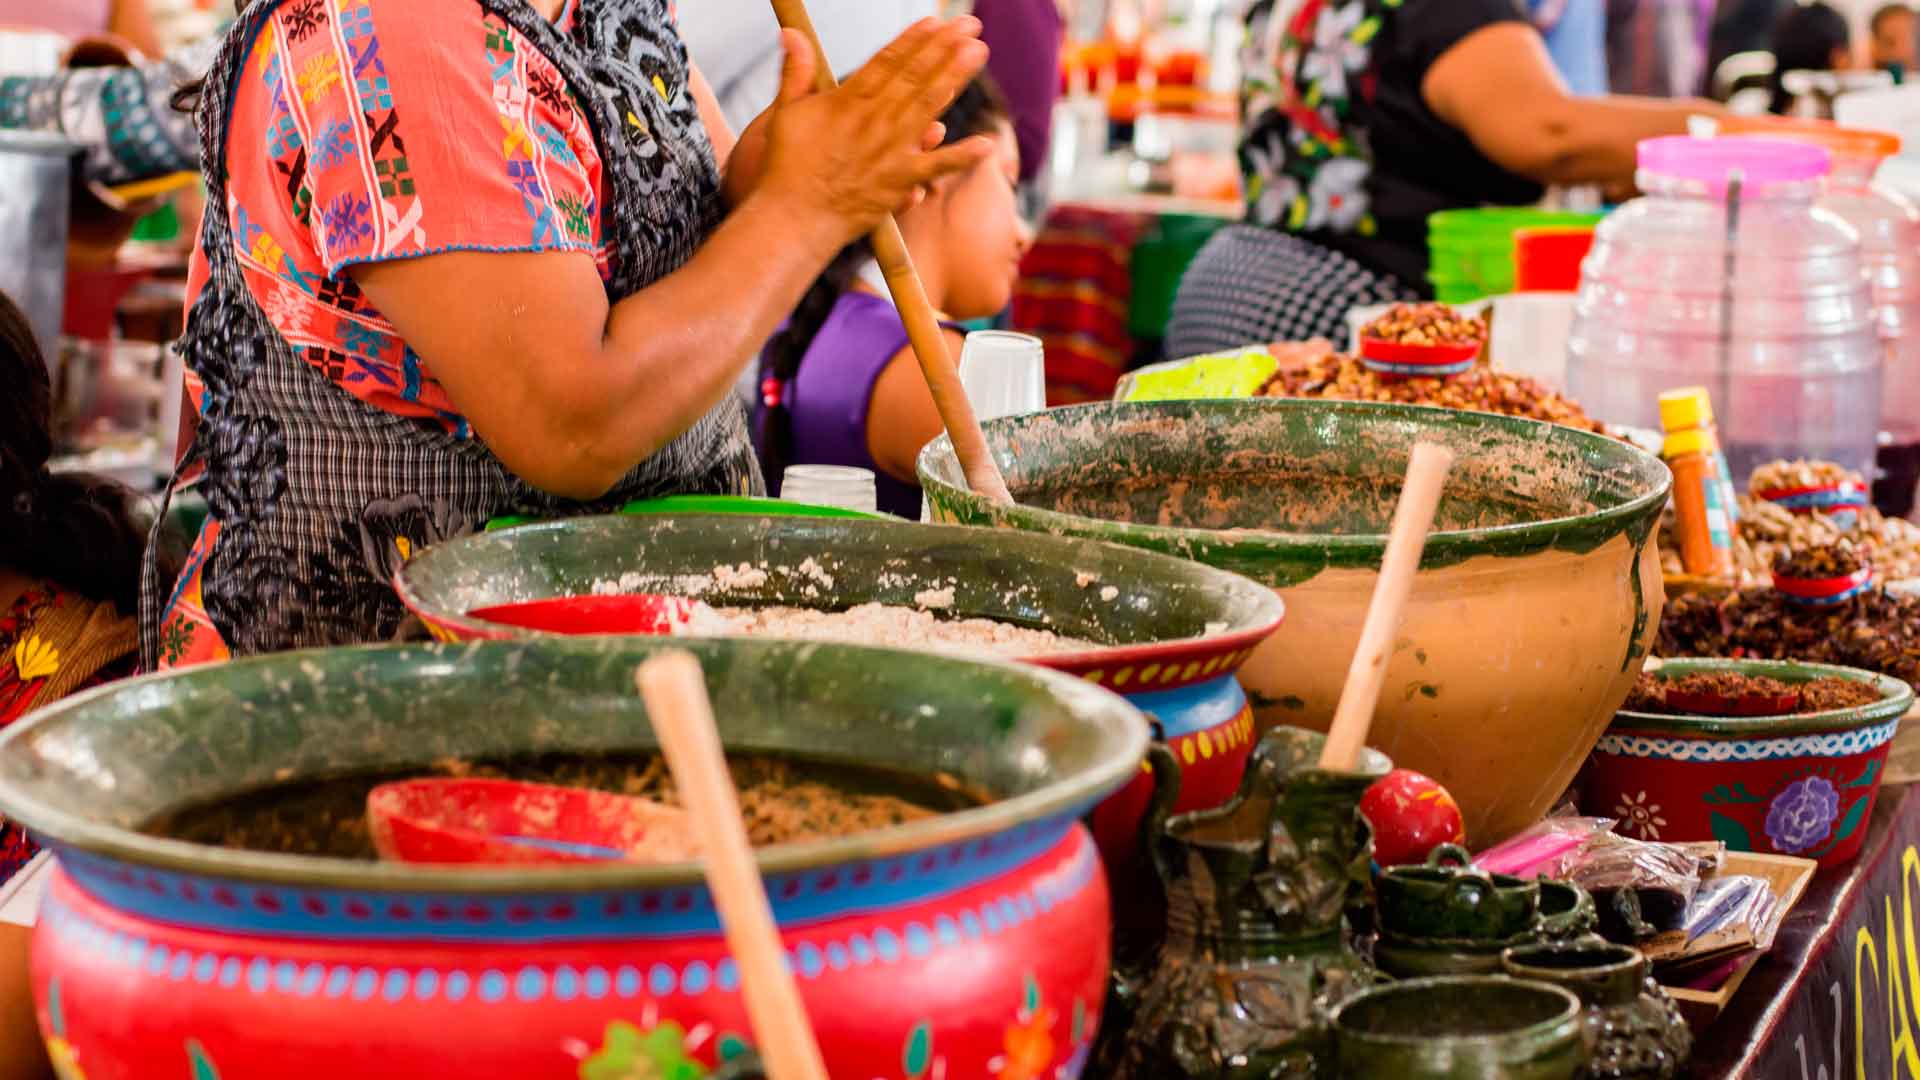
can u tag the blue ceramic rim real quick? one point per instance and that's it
(235, 967)
(800, 898)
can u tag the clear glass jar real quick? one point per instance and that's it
(1769, 308)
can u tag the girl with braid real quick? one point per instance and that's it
(839, 383)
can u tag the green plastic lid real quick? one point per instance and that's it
(713, 504)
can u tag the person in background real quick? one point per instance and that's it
(1576, 35)
(1363, 118)
(118, 115)
(1809, 37)
(69, 585)
(1658, 48)
(737, 43)
(127, 20)
(1024, 37)
(1740, 26)
(839, 383)
(1890, 40)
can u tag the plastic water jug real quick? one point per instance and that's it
(1727, 275)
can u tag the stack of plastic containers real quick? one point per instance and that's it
(1470, 251)
(1726, 275)
(1889, 228)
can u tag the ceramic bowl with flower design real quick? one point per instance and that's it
(1801, 784)
(970, 943)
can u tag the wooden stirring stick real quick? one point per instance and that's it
(923, 326)
(675, 691)
(1419, 498)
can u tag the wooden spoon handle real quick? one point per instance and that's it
(676, 695)
(910, 298)
(1419, 498)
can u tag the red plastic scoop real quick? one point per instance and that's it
(503, 821)
(632, 613)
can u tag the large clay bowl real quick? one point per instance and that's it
(939, 944)
(1536, 602)
(1171, 632)
(1790, 785)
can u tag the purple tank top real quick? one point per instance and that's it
(831, 396)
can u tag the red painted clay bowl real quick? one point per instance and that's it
(1172, 633)
(1800, 785)
(947, 946)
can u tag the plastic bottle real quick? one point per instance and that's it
(1690, 409)
(1726, 275)
(843, 486)
(1700, 517)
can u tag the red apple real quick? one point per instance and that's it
(1411, 815)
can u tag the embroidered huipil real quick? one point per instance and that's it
(346, 132)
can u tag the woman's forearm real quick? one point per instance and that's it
(1594, 140)
(571, 393)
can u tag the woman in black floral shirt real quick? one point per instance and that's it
(1364, 117)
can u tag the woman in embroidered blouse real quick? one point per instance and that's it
(477, 259)
(1364, 117)
(69, 567)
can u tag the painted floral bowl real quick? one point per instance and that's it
(1800, 785)
(1171, 633)
(1537, 600)
(958, 944)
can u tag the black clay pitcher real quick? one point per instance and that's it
(1257, 947)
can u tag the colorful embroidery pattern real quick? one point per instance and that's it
(1306, 161)
(323, 99)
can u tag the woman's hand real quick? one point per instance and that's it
(857, 153)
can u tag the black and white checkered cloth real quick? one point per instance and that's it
(1252, 285)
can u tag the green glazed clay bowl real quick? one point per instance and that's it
(1537, 600)
(1462, 1027)
(1800, 785)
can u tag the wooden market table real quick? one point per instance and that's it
(1836, 996)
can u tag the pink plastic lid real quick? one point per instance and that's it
(1711, 161)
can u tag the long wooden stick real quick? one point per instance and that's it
(675, 690)
(1419, 498)
(910, 297)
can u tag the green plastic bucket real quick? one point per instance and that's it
(1470, 252)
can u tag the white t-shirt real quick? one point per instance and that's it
(20, 895)
(736, 43)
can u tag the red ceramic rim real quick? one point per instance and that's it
(1821, 588)
(1128, 669)
(1844, 487)
(1397, 352)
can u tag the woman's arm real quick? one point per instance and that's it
(901, 418)
(1499, 86)
(571, 393)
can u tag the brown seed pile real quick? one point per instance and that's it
(1482, 389)
(1768, 531)
(1820, 561)
(1426, 324)
(1876, 630)
(1789, 475)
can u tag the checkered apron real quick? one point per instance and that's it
(1252, 285)
(320, 496)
